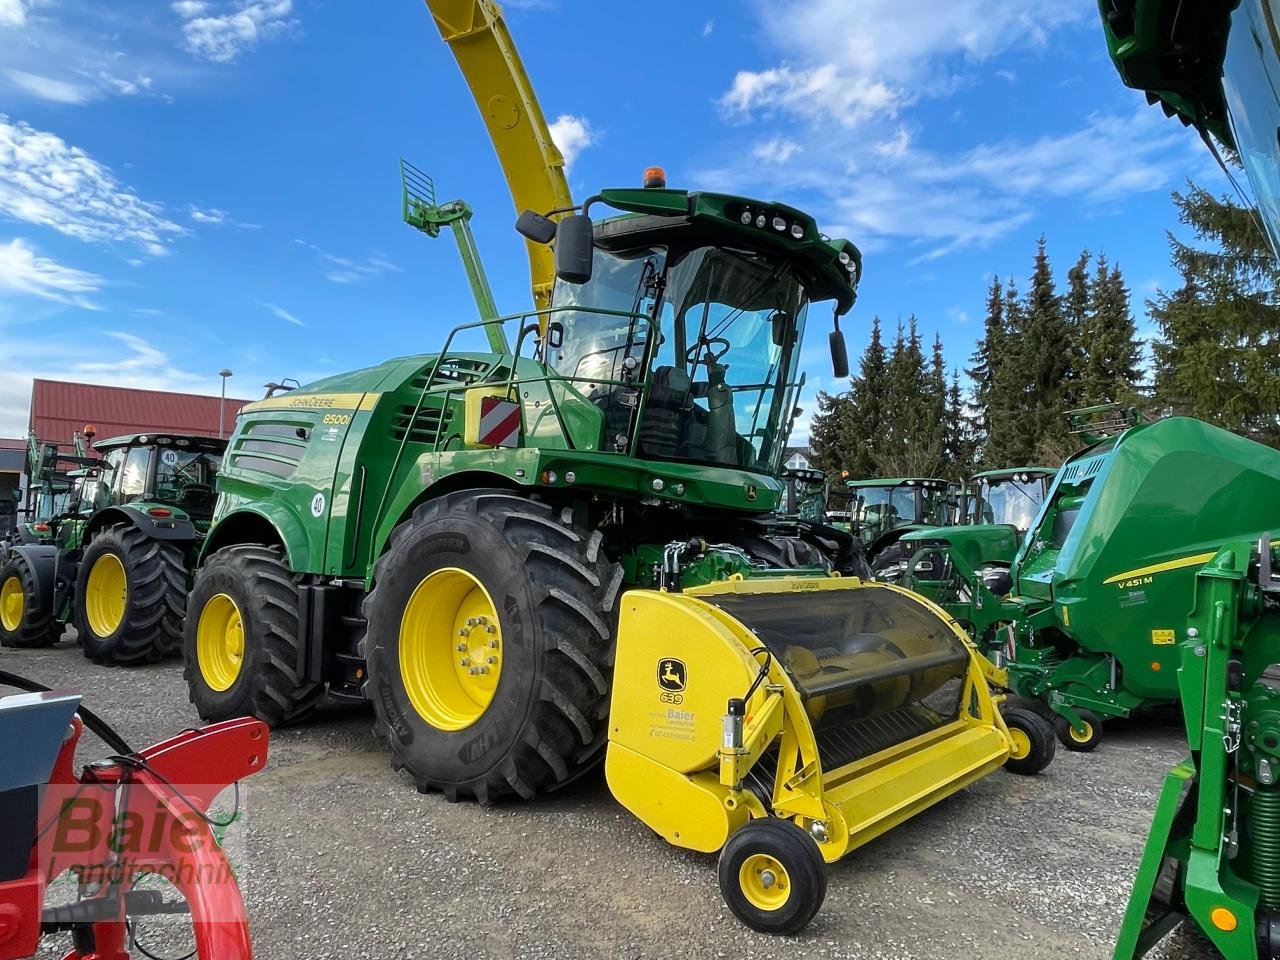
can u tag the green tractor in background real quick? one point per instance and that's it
(55, 473)
(884, 510)
(995, 511)
(118, 561)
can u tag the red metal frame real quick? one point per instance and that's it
(184, 772)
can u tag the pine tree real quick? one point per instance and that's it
(827, 431)
(1218, 356)
(1005, 440)
(1046, 343)
(1112, 362)
(912, 438)
(1076, 311)
(866, 422)
(987, 354)
(961, 439)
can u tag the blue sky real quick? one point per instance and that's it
(213, 183)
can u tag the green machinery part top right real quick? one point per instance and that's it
(1212, 857)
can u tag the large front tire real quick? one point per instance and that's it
(489, 646)
(25, 618)
(241, 642)
(131, 596)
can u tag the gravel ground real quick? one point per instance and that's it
(340, 858)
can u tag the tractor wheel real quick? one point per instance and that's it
(772, 876)
(1083, 740)
(131, 596)
(24, 620)
(1031, 746)
(489, 646)
(241, 641)
(889, 565)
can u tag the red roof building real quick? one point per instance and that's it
(59, 409)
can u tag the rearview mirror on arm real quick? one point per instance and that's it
(574, 247)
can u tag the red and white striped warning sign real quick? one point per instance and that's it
(499, 422)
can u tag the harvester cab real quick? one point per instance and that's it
(116, 564)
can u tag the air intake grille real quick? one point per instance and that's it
(422, 428)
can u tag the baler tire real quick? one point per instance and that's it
(554, 594)
(155, 598)
(37, 628)
(267, 685)
(1068, 738)
(804, 873)
(1040, 743)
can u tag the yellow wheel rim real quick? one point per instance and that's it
(764, 882)
(106, 593)
(1019, 743)
(12, 602)
(450, 649)
(220, 642)
(1084, 734)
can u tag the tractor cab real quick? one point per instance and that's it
(169, 469)
(1009, 497)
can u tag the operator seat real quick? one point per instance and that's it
(666, 413)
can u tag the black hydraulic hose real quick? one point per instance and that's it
(95, 723)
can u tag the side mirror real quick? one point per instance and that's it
(575, 243)
(839, 355)
(536, 227)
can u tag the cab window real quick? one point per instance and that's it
(133, 474)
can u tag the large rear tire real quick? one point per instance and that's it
(241, 641)
(890, 564)
(131, 597)
(25, 618)
(490, 645)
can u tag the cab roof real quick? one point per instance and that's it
(179, 440)
(926, 482)
(1003, 473)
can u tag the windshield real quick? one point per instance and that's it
(1251, 76)
(876, 509)
(1008, 501)
(186, 477)
(723, 373)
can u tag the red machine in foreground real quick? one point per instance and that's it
(133, 815)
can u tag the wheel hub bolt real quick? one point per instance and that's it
(493, 644)
(767, 878)
(484, 669)
(462, 647)
(465, 661)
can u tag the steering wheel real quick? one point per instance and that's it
(711, 354)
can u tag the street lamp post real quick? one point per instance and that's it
(222, 403)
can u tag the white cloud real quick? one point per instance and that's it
(817, 93)
(938, 203)
(871, 58)
(896, 146)
(12, 13)
(777, 150)
(47, 88)
(284, 314)
(23, 271)
(213, 216)
(708, 27)
(348, 270)
(240, 26)
(46, 181)
(572, 135)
